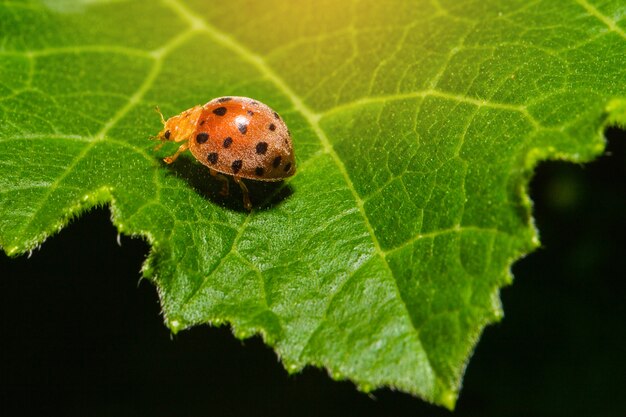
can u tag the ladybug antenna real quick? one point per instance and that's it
(156, 108)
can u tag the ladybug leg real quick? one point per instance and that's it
(246, 197)
(172, 158)
(222, 178)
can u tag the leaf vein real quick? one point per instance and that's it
(55, 185)
(601, 17)
(159, 55)
(440, 232)
(430, 93)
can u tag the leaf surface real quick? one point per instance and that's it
(416, 127)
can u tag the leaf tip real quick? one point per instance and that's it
(175, 325)
(242, 334)
(448, 398)
(12, 251)
(292, 368)
(616, 110)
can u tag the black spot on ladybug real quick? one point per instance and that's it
(259, 171)
(212, 157)
(276, 116)
(272, 127)
(236, 165)
(276, 161)
(287, 167)
(250, 113)
(227, 142)
(202, 137)
(202, 122)
(243, 127)
(167, 134)
(261, 148)
(220, 111)
(224, 99)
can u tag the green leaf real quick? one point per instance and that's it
(416, 127)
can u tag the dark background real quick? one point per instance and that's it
(82, 336)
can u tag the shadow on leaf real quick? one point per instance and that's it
(265, 195)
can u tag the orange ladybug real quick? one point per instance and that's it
(236, 136)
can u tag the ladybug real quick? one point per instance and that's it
(236, 136)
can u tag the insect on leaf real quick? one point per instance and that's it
(416, 126)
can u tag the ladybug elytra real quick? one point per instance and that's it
(236, 136)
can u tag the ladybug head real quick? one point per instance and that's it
(180, 127)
